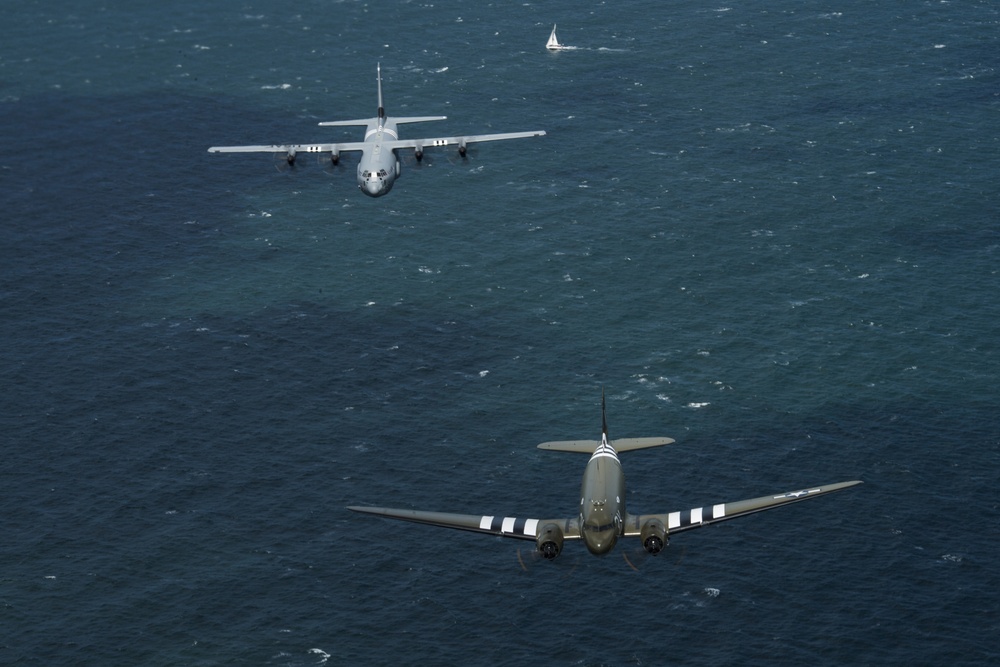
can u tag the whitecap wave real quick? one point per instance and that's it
(324, 656)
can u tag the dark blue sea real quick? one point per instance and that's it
(768, 230)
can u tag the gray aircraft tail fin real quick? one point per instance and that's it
(378, 75)
(380, 117)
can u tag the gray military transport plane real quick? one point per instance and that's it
(379, 166)
(602, 517)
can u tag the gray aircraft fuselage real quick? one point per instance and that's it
(602, 500)
(379, 165)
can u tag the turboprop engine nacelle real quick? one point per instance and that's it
(549, 541)
(654, 536)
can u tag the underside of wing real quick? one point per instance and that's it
(676, 522)
(522, 529)
(431, 142)
(344, 147)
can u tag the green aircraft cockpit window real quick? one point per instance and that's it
(598, 529)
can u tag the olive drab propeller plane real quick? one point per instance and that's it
(379, 166)
(602, 517)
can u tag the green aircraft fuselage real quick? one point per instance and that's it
(602, 517)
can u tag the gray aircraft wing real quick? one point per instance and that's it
(522, 529)
(421, 144)
(697, 517)
(343, 147)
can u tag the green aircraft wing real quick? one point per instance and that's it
(522, 529)
(676, 522)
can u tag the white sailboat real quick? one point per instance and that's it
(553, 43)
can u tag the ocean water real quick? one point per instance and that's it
(768, 231)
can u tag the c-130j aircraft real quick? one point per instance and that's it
(379, 167)
(602, 517)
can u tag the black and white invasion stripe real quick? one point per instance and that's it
(605, 449)
(693, 517)
(509, 525)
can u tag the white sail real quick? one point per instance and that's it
(553, 43)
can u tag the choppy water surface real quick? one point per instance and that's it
(769, 233)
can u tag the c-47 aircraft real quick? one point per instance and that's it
(379, 166)
(602, 518)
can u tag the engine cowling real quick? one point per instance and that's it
(654, 536)
(549, 541)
